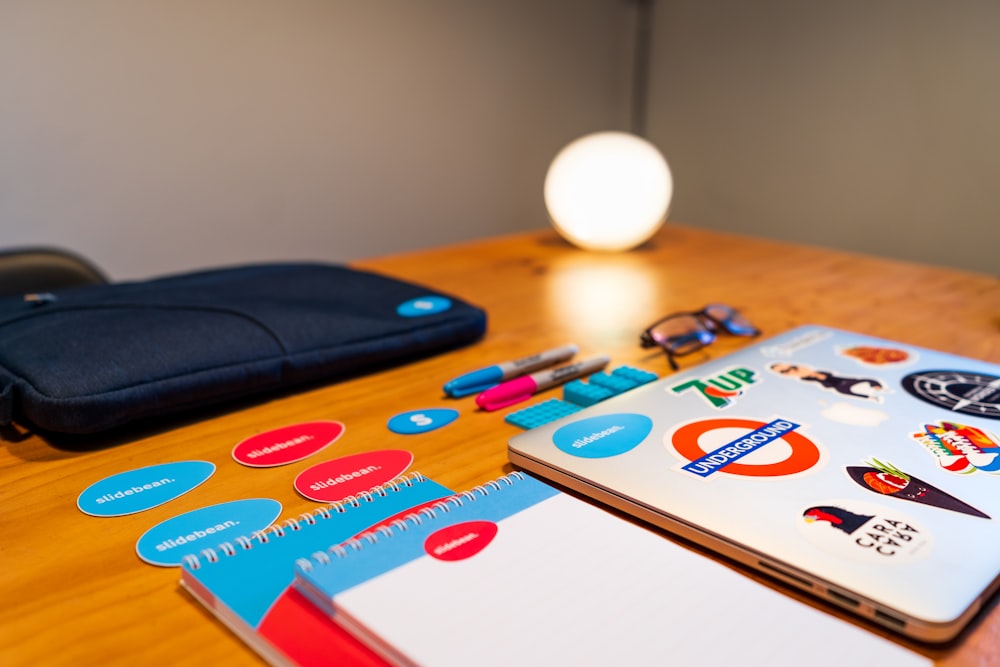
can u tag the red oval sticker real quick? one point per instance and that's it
(334, 480)
(460, 541)
(287, 444)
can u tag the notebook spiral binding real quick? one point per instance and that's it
(404, 523)
(294, 524)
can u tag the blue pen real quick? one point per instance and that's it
(484, 378)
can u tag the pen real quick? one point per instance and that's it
(520, 389)
(484, 378)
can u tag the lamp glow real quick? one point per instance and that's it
(608, 191)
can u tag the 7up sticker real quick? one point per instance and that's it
(719, 390)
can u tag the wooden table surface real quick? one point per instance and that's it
(73, 591)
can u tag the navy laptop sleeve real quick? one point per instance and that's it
(87, 359)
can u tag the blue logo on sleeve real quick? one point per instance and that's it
(144, 488)
(603, 436)
(423, 305)
(168, 542)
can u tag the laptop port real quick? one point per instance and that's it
(842, 599)
(889, 619)
(787, 575)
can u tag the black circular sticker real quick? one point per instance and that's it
(968, 392)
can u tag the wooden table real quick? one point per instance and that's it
(72, 590)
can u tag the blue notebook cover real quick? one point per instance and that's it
(247, 584)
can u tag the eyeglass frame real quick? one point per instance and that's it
(706, 334)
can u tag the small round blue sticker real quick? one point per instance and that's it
(421, 421)
(603, 436)
(423, 305)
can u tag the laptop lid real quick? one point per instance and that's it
(862, 470)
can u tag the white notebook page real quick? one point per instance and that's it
(564, 583)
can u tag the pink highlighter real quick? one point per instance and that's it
(521, 388)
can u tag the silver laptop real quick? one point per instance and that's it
(862, 470)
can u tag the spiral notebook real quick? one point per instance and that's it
(516, 572)
(247, 584)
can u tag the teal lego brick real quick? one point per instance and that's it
(541, 413)
(613, 383)
(636, 375)
(584, 393)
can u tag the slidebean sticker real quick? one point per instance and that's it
(334, 480)
(422, 421)
(167, 543)
(460, 541)
(143, 488)
(424, 305)
(603, 436)
(288, 444)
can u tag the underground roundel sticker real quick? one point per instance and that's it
(744, 447)
(865, 532)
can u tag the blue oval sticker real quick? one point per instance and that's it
(168, 542)
(421, 421)
(603, 436)
(143, 488)
(423, 305)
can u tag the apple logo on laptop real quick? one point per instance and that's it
(855, 415)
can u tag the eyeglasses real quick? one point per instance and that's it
(683, 333)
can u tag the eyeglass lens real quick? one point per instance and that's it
(681, 334)
(730, 320)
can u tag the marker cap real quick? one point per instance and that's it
(509, 393)
(474, 382)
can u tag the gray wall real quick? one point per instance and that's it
(870, 125)
(161, 136)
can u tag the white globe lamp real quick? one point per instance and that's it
(608, 191)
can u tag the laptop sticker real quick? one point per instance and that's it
(744, 447)
(602, 436)
(865, 532)
(800, 342)
(870, 355)
(888, 480)
(853, 387)
(719, 390)
(959, 448)
(967, 392)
